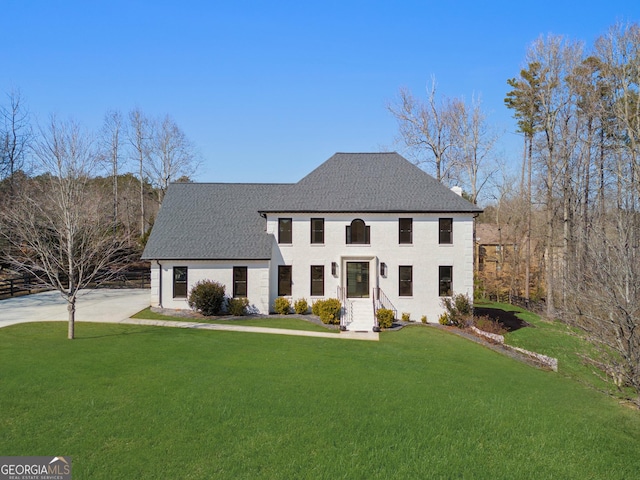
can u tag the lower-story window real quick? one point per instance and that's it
(446, 281)
(239, 282)
(317, 280)
(284, 280)
(406, 281)
(179, 282)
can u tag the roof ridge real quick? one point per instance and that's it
(230, 183)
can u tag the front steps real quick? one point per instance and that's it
(362, 315)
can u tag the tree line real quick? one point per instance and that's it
(573, 209)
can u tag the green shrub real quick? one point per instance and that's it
(207, 297)
(282, 306)
(301, 306)
(406, 317)
(462, 304)
(385, 317)
(328, 310)
(237, 306)
(457, 310)
(423, 319)
(443, 319)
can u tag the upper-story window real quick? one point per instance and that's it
(405, 230)
(446, 230)
(284, 230)
(317, 230)
(358, 232)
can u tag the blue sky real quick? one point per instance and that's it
(269, 90)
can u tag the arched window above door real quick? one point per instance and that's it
(358, 232)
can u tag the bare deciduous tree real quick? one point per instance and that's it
(427, 130)
(172, 156)
(474, 147)
(139, 135)
(111, 143)
(15, 136)
(60, 230)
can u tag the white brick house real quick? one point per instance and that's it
(369, 228)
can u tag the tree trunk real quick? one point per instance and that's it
(71, 308)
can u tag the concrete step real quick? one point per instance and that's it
(362, 319)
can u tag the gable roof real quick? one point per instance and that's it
(369, 182)
(223, 220)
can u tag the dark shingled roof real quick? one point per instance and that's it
(199, 221)
(222, 220)
(369, 182)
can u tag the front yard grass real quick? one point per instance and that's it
(560, 341)
(130, 401)
(291, 323)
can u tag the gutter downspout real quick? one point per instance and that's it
(159, 284)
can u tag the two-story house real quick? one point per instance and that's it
(369, 228)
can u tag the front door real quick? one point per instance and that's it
(358, 279)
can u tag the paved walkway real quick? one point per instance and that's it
(118, 305)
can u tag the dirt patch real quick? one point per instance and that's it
(508, 319)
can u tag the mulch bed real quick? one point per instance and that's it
(508, 319)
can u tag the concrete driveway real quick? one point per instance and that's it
(102, 305)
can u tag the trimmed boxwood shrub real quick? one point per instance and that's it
(301, 306)
(406, 317)
(328, 310)
(385, 317)
(207, 297)
(237, 306)
(282, 306)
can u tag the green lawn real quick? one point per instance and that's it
(560, 341)
(150, 402)
(290, 323)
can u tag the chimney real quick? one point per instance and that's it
(457, 190)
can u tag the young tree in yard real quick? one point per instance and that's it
(60, 230)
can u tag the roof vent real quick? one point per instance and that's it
(457, 190)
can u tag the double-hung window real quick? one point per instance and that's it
(239, 282)
(285, 230)
(317, 230)
(406, 281)
(445, 281)
(405, 230)
(180, 282)
(317, 280)
(284, 280)
(445, 226)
